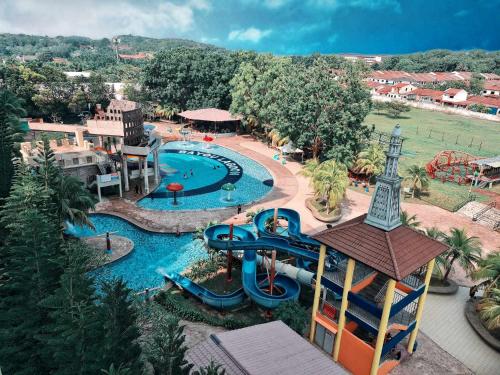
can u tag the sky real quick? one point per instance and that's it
(278, 26)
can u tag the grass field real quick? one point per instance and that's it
(428, 132)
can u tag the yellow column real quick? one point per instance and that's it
(420, 307)
(382, 328)
(317, 290)
(343, 307)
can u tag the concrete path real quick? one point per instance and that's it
(444, 322)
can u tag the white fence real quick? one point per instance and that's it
(440, 108)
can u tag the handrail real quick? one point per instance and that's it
(483, 210)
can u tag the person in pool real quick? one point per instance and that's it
(191, 171)
(185, 176)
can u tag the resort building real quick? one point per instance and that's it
(119, 127)
(372, 280)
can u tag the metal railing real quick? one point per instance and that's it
(482, 211)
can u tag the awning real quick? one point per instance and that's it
(210, 115)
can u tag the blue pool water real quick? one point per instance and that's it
(153, 254)
(212, 167)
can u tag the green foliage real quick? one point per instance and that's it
(321, 113)
(190, 78)
(251, 214)
(489, 310)
(120, 370)
(444, 61)
(370, 161)
(329, 181)
(489, 271)
(211, 369)
(417, 178)
(10, 135)
(481, 108)
(409, 221)
(166, 349)
(394, 108)
(183, 309)
(118, 315)
(205, 268)
(252, 89)
(463, 249)
(293, 315)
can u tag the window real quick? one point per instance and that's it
(89, 159)
(61, 163)
(76, 161)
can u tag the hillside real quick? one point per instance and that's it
(71, 46)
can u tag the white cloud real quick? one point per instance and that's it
(97, 19)
(367, 4)
(251, 34)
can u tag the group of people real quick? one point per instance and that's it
(191, 173)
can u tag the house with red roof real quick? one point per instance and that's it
(455, 97)
(424, 95)
(491, 88)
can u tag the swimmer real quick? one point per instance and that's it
(191, 171)
(215, 167)
(185, 176)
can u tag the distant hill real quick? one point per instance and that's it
(68, 46)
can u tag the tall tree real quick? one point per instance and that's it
(417, 176)
(30, 272)
(73, 341)
(166, 350)
(252, 89)
(10, 133)
(463, 249)
(118, 315)
(370, 161)
(316, 110)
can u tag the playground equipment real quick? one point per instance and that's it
(451, 166)
(270, 291)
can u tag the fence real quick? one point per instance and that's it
(469, 141)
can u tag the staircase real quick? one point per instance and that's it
(375, 291)
(484, 214)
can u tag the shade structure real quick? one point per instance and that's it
(209, 114)
(175, 187)
(228, 187)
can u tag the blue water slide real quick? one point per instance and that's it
(218, 301)
(293, 218)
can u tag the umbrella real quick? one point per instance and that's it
(207, 138)
(175, 187)
(228, 187)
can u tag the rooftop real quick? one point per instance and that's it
(264, 349)
(209, 114)
(396, 253)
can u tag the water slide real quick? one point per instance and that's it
(265, 218)
(295, 244)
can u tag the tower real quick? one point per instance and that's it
(384, 212)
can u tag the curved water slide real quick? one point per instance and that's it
(265, 218)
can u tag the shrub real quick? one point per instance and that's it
(293, 315)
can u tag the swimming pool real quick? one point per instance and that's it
(202, 171)
(154, 253)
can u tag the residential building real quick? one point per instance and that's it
(491, 88)
(454, 96)
(424, 95)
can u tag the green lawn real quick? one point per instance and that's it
(419, 148)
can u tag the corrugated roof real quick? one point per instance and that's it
(396, 253)
(268, 349)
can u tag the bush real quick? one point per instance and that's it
(293, 315)
(183, 309)
(481, 108)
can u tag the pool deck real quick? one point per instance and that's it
(290, 190)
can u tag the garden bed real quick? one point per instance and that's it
(438, 287)
(319, 211)
(478, 326)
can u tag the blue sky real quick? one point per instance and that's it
(279, 26)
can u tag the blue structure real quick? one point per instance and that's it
(293, 243)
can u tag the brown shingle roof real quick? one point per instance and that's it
(396, 253)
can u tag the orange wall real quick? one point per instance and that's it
(355, 354)
(363, 283)
(387, 367)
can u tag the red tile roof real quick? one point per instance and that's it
(452, 91)
(396, 253)
(489, 101)
(427, 92)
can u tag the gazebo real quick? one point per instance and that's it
(212, 120)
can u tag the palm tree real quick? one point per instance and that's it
(75, 201)
(417, 176)
(211, 369)
(434, 233)
(438, 235)
(370, 161)
(309, 168)
(466, 250)
(330, 182)
(489, 269)
(120, 370)
(489, 310)
(409, 221)
(277, 139)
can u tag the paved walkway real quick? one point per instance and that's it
(444, 322)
